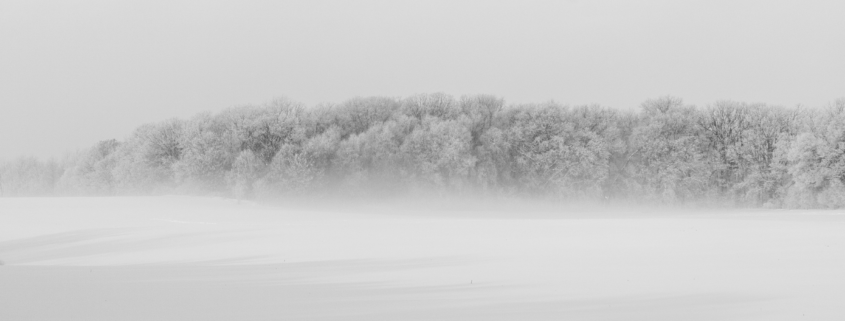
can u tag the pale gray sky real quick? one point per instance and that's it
(76, 72)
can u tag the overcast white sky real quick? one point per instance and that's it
(76, 72)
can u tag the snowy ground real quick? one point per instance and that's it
(179, 258)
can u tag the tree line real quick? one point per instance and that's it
(665, 152)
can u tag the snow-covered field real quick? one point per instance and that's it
(181, 258)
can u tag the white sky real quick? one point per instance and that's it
(76, 72)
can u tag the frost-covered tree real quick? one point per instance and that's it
(145, 161)
(91, 172)
(372, 161)
(724, 125)
(246, 170)
(289, 173)
(667, 160)
(438, 153)
(816, 160)
(263, 129)
(438, 105)
(553, 152)
(357, 115)
(480, 111)
(762, 176)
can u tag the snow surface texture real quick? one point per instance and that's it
(180, 258)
